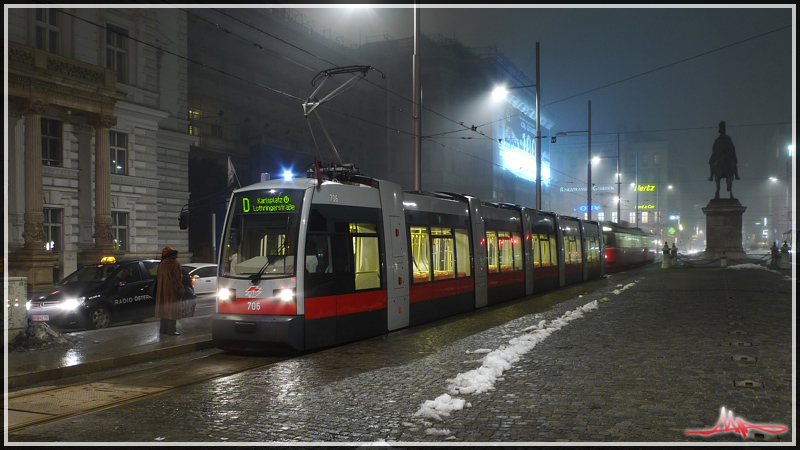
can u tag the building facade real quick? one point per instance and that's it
(97, 144)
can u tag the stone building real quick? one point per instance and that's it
(97, 137)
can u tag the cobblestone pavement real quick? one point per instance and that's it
(661, 354)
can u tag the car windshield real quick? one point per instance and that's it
(91, 274)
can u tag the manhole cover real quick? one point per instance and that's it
(744, 358)
(741, 344)
(737, 332)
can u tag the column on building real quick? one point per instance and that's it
(33, 233)
(103, 234)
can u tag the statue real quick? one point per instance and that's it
(723, 162)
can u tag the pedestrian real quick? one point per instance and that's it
(169, 291)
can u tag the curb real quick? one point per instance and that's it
(30, 378)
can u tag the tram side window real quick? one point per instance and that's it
(366, 254)
(537, 254)
(571, 250)
(516, 244)
(492, 251)
(318, 254)
(592, 250)
(463, 257)
(510, 251)
(443, 254)
(553, 255)
(547, 244)
(420, 254)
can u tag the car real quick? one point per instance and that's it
(97, 295)
(204, 278)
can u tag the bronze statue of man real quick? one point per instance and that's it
(723, 162)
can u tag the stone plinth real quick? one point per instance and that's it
(724, 229)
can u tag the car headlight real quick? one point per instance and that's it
(71, 304)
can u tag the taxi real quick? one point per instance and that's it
(97, 295)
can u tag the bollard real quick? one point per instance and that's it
(674, 255)
(775, 262)
(723, 261)
(786, 258)
(667, 262)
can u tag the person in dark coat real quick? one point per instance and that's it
(169, 291)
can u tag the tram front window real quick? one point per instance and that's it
(262, 234)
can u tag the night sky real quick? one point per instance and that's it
(667, 73)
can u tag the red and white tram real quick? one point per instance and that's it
(627, 247)
(308, 264)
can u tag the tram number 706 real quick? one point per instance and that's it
(253, 306)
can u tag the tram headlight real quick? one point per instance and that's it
(284, 295)
(226, 294)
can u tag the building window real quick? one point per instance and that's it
(645, 216)
(632, 217)
(53, 221)
(118, 145)
(601, 216)
(119, 227)
(48, 30)
(117, 51)
(614, 217)
(51, 143)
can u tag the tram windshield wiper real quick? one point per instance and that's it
(256, 277)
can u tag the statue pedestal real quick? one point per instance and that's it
(724, 229)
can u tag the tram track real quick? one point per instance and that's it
(42, 405)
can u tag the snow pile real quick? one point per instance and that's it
(494, 364)
(749, 266)
(37, 336)
(622, 288)
(441, 407)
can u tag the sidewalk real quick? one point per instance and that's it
(98, 350)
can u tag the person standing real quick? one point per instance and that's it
(169, 291)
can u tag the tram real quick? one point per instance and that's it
(627, 247)
(309, 263)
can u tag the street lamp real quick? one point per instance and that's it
(588, 158)
(500, 92)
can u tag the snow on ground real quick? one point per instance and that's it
(752, 266)
(494, 364)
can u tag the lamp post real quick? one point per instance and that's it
(417, 86)
(500, 93)
(588, 160)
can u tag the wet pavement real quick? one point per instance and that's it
(659, 352)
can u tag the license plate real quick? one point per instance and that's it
(40, 318)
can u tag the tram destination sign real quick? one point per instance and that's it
(261, 202)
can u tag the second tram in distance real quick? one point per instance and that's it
(627, 247)
(307, 263)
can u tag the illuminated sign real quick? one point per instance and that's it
(595, 188)
(584, 208)
(517, 145)
(269, 202)
(646, 188)
(671, 230)
(646, 206)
